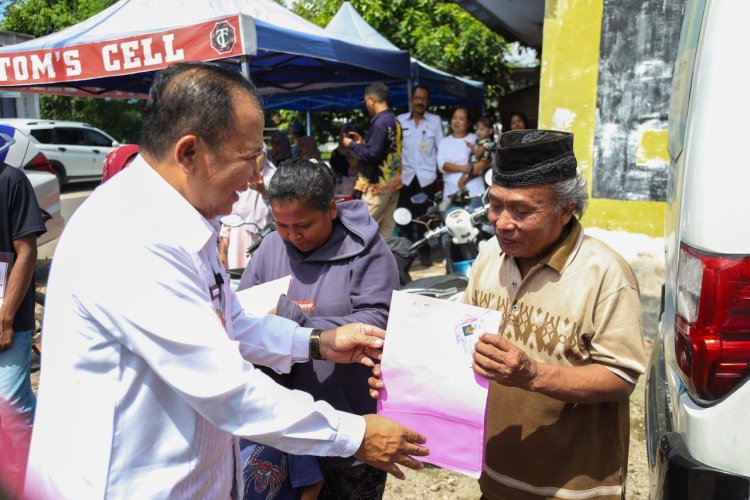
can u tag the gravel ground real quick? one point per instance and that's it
(434, 483)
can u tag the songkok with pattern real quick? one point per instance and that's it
(532, 157)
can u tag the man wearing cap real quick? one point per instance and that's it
(569, 350)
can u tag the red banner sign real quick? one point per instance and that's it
(217, 39)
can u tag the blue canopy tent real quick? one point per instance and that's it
(348, 25)
(116, 52)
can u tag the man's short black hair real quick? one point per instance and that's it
(303, 181)
(377, 90)
(420, 86)
(192, 98)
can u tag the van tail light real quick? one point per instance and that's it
(40, 163)
(712, 324)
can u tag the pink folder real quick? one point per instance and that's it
(429, 383)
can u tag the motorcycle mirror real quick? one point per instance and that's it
(488, 177)
(418, 198)
(232, 220)
(402, 216)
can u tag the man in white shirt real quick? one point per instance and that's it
(143, 385)
(422, 132)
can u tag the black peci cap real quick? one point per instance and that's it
(532, 157)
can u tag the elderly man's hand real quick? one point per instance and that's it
(497, 359)
(387, 443)
(352, 343)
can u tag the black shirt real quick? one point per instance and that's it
(21, 217)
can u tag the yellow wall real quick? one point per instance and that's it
(567, 101)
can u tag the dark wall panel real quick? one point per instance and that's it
(638, 49)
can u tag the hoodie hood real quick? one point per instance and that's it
(353, 232)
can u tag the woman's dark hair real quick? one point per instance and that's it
(521, 116)
(192, 98)
(305, 181)
(466, 110)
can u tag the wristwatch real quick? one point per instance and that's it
(315, 344)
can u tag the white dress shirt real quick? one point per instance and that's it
(419, 148)
(457, 151)
(143, 390)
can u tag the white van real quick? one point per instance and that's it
(698, 394)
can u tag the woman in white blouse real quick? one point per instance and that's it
(453, 155)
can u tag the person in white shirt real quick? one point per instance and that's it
(254, 210)
(147, 377)
(453, 155)
(422, 132)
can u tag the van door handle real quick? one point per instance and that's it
(96, 151)
(62, 148)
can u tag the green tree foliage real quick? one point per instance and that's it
(121, 119)
(439, 33)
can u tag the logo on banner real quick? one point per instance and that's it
(223, 37)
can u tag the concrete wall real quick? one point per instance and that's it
(606, 74)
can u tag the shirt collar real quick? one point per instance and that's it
(562, 251)
(372, 120)
(179, 221)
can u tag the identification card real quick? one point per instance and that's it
(467, 336)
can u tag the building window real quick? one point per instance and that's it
(8, 109)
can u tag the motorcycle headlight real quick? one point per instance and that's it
(458, 222)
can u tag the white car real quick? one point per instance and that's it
(19, 151)
(76, 150)
(698, 386)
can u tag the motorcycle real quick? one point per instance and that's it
(234, 220)
(461, 230)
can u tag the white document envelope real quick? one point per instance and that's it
(259, 299)
(430, 385)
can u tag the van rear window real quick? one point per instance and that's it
(43, 135)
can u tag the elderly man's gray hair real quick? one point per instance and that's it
(571, 192)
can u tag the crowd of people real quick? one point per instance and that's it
(397, 158)
(156, 384)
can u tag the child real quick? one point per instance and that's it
(271, 474)
(481, 152)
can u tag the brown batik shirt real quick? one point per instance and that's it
(579, 306)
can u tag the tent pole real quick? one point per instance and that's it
(408, 94)
(246, 67)
(308, 123)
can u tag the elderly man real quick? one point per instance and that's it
(422, 132)
(147, 376)
(569, 350)
(378, 159)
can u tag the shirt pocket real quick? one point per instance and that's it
(431, 137)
